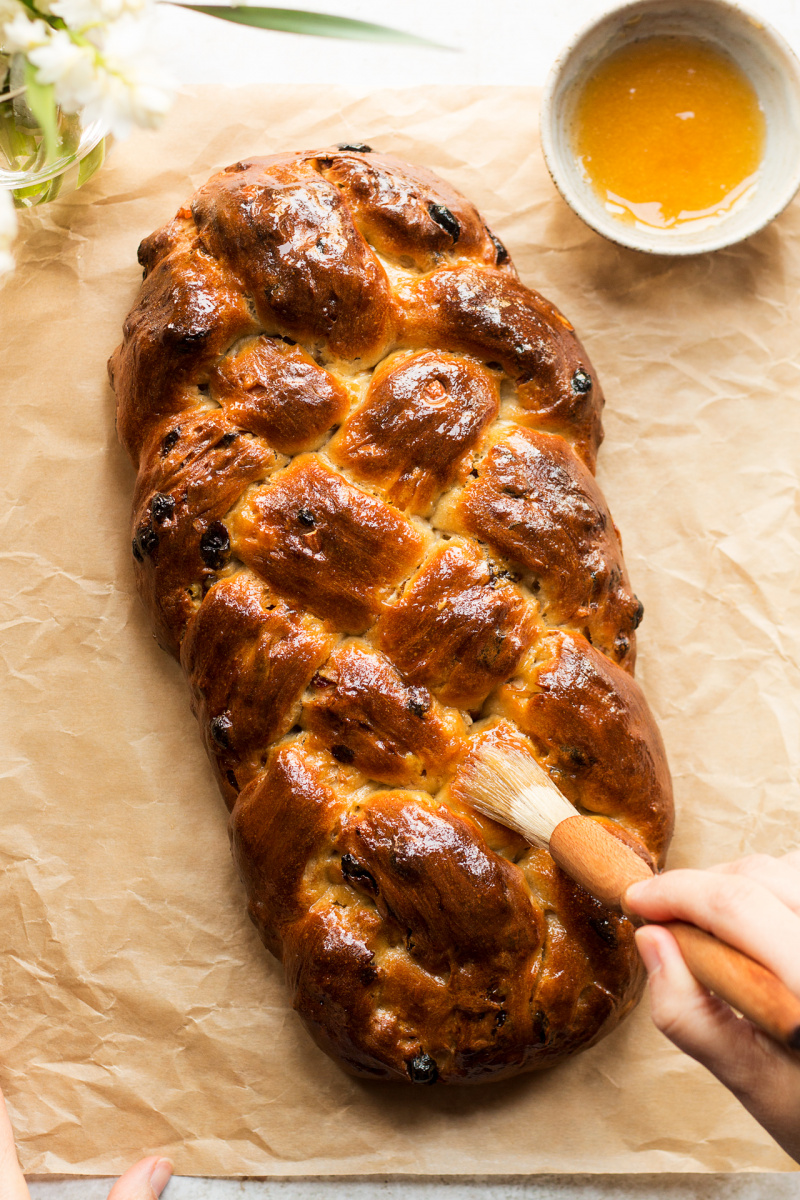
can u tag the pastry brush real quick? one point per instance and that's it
(516, 791)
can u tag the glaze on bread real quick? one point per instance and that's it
(366, 523)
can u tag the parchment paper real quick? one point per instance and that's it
(139, 1011)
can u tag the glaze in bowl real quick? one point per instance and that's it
(763, 56)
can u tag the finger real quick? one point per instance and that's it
(12, 1181)
(764, 1077)
(792, 860)
(781, 876)
(735, 909)
(145, 1180)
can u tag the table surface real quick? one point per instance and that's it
(507, 42)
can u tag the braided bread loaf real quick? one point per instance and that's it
(366, 523)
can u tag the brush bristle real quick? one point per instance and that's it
(516, 791)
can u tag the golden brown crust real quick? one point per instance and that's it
(536, 505)
(289, 238)
(190, 311)
(420, 424)
(248, 659)
(272, 388)
(366, 714)
(485, 313)
(591, 726)
(459, 627)
(407, 213)
(366, 522)
(193, 469)
(324, 544)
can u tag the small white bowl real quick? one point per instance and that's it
(757, 49)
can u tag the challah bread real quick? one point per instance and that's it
(366, 523)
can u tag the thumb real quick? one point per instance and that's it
(145, 1180)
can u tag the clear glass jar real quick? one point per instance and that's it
(25, 168)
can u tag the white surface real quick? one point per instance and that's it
(574, 1187)
(500, 42)
(509, 42)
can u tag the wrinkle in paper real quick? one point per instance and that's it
(140, 1013)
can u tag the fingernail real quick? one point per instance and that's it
(649, 951)
(161, 1175)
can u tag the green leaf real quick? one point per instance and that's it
(28, 197)
(91, 163)
(42, 103)
(69, 133)
(290, 20)
(52, 189)
(15, 143)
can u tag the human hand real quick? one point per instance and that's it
(754, 905)
(145, 1180)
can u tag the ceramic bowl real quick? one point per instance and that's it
(763, 56)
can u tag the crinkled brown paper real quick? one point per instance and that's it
(139, 1011)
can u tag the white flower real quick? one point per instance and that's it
(121, 102)
(20, 35)
(9, 10)
(8, 229)
(130, 87)
(70, 67)
(88, 14)
(101, 65)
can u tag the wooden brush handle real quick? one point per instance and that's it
(742, 982)
(597, 860)
(605, 866)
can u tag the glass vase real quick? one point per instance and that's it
(26, 169)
